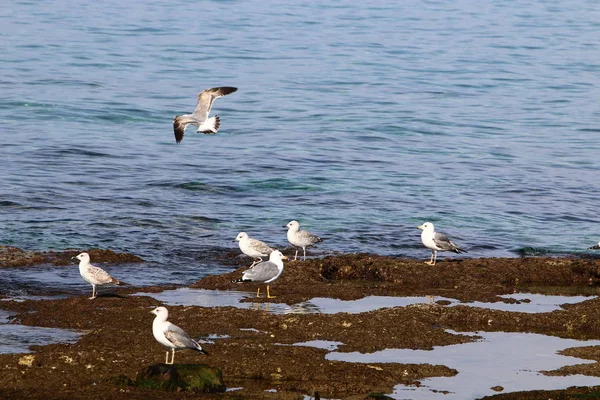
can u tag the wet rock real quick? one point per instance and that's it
(199, 378)
(497, 388)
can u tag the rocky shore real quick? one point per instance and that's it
(255, 349)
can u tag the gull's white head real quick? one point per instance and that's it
(241, 236)
(160, 311)
(427, 226)
(84, 257)
(293, 225)
(276, 255)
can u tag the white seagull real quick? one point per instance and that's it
(265, 272)
(200, 115)
(300, 238)
(93, 275)
(170, 335)
(436, 241)
(253, 247)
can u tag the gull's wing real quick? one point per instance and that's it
(308, 237)
(180, 122)
(99, 275)
(178, 336)
(259, 246)
(261, 272)
(206, 99)
(443, 242)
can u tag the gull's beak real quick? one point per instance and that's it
(420, 227)
(284, 258)
(285, 226)
(74, 258)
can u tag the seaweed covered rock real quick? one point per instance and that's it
(199, 378)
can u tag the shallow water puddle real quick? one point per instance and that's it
(534, 303)
(16, 338)
(510, 360)
(531, 302)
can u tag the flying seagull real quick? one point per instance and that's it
(93, 275)
(300, 238)
(436, 241)
(200, 115)
(253, 247)
(265, 272)
(170, 335)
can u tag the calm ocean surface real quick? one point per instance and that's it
(361, 120)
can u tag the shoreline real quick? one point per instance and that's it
(256, 351)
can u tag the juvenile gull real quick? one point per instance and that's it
(595, 247)
(200, 115)
(170, 335)
(265, 272)
(95, 276)
(300, 238)
(436, 241)
(253, 247)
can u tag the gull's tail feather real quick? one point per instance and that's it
(211, 125)
(119, 283)
(458, 250)
(199, 348)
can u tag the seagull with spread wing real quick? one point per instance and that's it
(200, 115)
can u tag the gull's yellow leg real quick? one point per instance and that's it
(269, 294)
(430, 262)
(258, 292)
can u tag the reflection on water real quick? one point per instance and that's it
(510, 360)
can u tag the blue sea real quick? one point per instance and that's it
(361, 120)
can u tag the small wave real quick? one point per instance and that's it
(8, 203)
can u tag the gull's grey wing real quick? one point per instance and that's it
(443, 242)
(180, 122)
(308, 238)
(206, 99)
(261, 272)
(99, 275)
(178, 336)
(261, 247)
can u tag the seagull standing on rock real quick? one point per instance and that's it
(171, 336)
(200, 115)
(93, 275)
(299, 238)
(436, 241)
(265, 272)
(253, 247)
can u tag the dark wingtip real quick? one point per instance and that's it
(201, 350)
